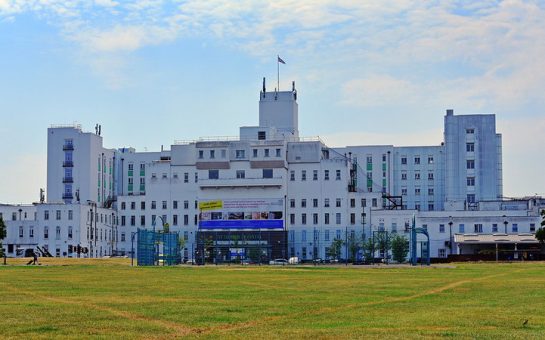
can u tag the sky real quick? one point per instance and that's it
(367, 72)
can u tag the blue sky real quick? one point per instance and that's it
(367, 72)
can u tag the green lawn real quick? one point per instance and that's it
(108, 298)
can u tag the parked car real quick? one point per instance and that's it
(281, 262)
(294, 260)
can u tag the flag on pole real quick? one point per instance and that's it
(281, 61)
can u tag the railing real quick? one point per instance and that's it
(67, 164)
(68, 179)
(252, 139)
(68, 147)
(59, 126)
(67, 196)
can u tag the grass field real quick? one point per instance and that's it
(108, 298)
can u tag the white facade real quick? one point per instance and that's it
(326, 193)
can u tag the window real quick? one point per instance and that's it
(186, 219)
(495, 228)
(369, 159)
(174, 219)
(430, 176)
(442, 252)
(338, 218)
(394, 227)
(470, 181)
(122, 237)
(254, 153)
(31, 232)
(267, 173)
(470, 147)
(123, 221)
(417, 191)
(532, 227)
(430, 159)
(430, 191)
(303, 203)
(142, 205)
(186, 177)
(417, 206)
(352, 203)
(153, 205)
(470, 198)
(431, 207)
(292, 175)
(314, 175)
(196, 177)
(46, 233)
(326, 218)
(223, 153)
(363, 203)
(239, 154)
(278, 154)
(46, 215)
(315, 218)
(304, 236)
(133, 220)
(174, 204)
(70, 215)
(133, 205)
(212, 154)
(142, 220)
(261, 135)
(352, 218)
(21, 231)
(58, 233)
(417, 160)
(326, 175)
(461, 228)
(164, 205)
(470, 131)
(326, 202)
(337, 175)
(470, 164)
(326, 235)
(478, 228)
(303, 175)
(404, 191)
(303, 218)
(123, 205)
(338, 203)
(403, 176)
(417, 175)
(201, 154)
(213, 174)
(241, 174)
(315, 202)
(292, 219)
(441, 228)
(292, 203)
(374, 202)
(266, 152)
(404, 160)
(186, 204)
(515, 228)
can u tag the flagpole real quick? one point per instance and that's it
(278, 72)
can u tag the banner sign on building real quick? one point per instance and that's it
(242, 214)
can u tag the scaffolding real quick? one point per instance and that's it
(158, 248)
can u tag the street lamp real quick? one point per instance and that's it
(505, 223)
(450, 234)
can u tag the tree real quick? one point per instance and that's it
(540, 233)
(354, 245)
(334, 250)
(368, 248)
(3, 234)
(383, 244)
(400, 248)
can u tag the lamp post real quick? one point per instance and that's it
(505, 223)
(450, 234)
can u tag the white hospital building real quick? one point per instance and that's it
(271, 189)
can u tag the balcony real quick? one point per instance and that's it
(241, 183)
(67, 164)
(67, 196)
(68, 179)
(68, 147)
